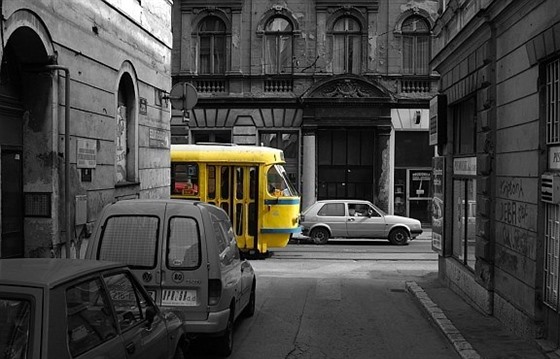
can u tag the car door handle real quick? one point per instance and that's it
(130, 348)
(351, 219)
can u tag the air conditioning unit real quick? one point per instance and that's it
(550, 188)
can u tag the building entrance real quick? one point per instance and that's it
(345, 164)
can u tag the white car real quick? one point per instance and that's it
(341, 218)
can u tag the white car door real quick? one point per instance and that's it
(364, 221)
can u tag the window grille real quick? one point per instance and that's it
(552, 254)
(552, 101)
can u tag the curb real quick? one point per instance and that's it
(461, 345)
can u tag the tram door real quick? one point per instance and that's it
(236, 193)
(11, 244)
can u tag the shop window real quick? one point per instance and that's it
(126, 148)
(278, 46)
(415, 46)
(464, 182)
(212, 46)
(552, 210)
(465, 127)
(346, 46)
(464, 220)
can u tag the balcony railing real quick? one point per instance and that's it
(211, 86)
(278, 85)
(411, 85)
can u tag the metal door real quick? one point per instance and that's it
(345, 164)
(11, 244)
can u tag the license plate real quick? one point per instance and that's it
(179, 297)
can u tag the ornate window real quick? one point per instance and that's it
(346, 45)
(278, 46)
(212, 46)
(415, 45)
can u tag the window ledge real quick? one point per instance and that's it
(126, 184)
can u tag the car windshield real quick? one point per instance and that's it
(15, 318)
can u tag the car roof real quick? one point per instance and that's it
(48, 272)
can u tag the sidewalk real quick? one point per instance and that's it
(473, 334)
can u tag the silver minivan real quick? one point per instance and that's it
(185, 254)
(348, 218)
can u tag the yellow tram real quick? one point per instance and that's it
(248, 182)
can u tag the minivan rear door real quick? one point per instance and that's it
(184, 271)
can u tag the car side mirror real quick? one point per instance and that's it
(150, 316)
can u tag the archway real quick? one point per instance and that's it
(25, 113)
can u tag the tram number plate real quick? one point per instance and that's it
(180, 297)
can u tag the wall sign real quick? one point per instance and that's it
(465, 166)
(158, 138)
(86, 153)
(554, 158)
(438, 204)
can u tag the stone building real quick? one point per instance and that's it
(499, 62)
(82, 122)
(342, 87)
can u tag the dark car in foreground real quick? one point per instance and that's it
(75, 308)
(342, 218)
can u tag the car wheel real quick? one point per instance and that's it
(399, 236)
(249, 310)
(320, 235)
(224, 343)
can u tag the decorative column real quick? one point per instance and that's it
(384, 168)
(309, 166)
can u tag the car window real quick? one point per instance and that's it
(332, 209)
(90, 320)
(15, 320)
(130, 306)
(184, 243)
(361, 210)
(130, 239)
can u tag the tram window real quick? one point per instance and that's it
(240, 183)
(211, 182)
(278, 184)
(252, 182)
(252, 219)
(185, 179)
(239, 219)
(224, 187)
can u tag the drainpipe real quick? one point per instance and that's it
(66, 152)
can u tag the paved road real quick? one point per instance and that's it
(313, 304)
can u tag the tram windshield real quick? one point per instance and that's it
(278, 182)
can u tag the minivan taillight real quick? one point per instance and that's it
(214, 291)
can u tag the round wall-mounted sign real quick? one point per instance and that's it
(183, 96)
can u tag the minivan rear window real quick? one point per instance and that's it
(184, 243)
(130, 239)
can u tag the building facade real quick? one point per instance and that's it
(498, 233)
(82, 120)
(340, 88)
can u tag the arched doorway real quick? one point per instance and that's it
(25, 103)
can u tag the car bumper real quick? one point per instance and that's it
(415, 232)
(214, 324)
